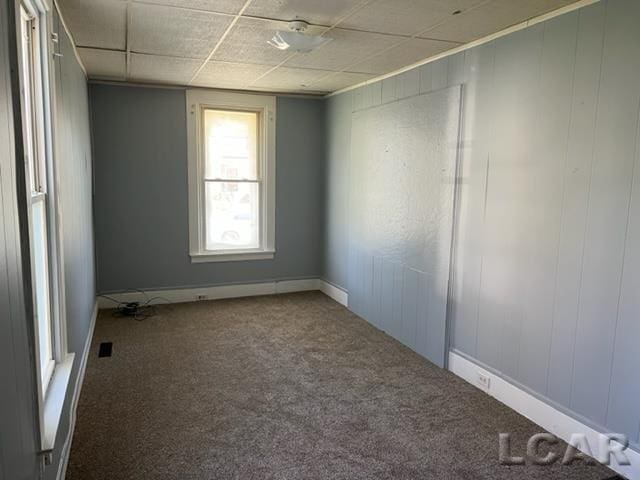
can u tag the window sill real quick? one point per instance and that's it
(54, 401)
(236, 256)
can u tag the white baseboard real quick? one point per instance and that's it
(330, 290)
(66, 448)
(290, 286)
(539, 412)
(181, 295)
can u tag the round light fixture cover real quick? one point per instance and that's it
(295, 39)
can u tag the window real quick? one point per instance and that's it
(53, 363)
(36, 169)
(231, 176)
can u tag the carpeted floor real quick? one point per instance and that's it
(283, 387)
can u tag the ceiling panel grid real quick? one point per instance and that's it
(223, 43)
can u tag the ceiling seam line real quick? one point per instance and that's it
(407, 39)
(219, 42)
(472, 44)
(180, 7)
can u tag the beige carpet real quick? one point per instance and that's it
(283, 387)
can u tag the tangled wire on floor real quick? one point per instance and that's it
(137, 310)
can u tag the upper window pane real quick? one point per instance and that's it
(231, 145)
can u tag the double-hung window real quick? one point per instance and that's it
(36, 170)
(53, 363)
(231, 176)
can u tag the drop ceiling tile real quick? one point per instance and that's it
(337, 81)
(104, 64)
(292, 79)
(491, 18)
(220, 6)
(96, 23)
(229, 74)
(318, 12)
(158, 69)
(175, 32)
(405, 54)
(247, 43)
(404, 17)
(345, 49)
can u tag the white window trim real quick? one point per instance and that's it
(197, 100)
(51, 397)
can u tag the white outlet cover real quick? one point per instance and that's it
(483, 381)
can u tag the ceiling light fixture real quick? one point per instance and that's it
(296, 39)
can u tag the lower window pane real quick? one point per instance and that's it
(232, 218)
(41, 285)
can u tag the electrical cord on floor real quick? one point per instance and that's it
(137, 310)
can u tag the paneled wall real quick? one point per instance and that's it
(547, 257)
(19, 459)
(72, 132)
(142, 231)
(401, 204)
(18, 423)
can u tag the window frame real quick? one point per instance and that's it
(38, 112)
(197, 101)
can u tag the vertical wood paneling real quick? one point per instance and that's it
(409, 307)
(425, 77)
(18, 451)
(376, 313)
(422, 314)
(605, 235)
(386, 308)
(548, 240)
(351, 275)
(577, 176)
(388, 90)
(624, 394)
(368, 307)
(516, 80)
(358, 99)
(477, 130)
(376, 93)
(395, 328)
(408, 84)
(515, 166)
(545, 167)
(439, 72)
(436, 308)
(456, 73)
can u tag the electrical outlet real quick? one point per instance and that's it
(483, 381)
(201, 297)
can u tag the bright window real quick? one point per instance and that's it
(36, 166)
(231, 176)
(54, 362)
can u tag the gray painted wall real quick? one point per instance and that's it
(18, 423)
(547, 268)
(401, 194)
(141, 204)
(18, 420)
(75, 191)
